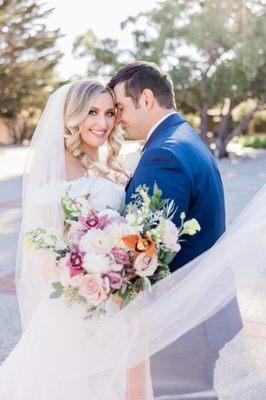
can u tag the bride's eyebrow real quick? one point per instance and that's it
(98, 109)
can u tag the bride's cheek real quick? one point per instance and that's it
(111, 125)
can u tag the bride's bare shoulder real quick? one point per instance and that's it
(74, 169)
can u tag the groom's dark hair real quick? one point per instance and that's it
(141, 75)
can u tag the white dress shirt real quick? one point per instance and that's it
(158, 123)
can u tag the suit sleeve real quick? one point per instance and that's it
(170, 174)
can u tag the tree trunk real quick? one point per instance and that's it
(204, 110)
(244, 123)
(220, 150)
(220, 132)
(222, 129)
(224, 133)
(204, 125)
(15, 127)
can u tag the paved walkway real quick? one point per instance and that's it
(243, 176)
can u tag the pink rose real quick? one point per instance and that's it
(115, 280)
(145, 265)
(93, 288)
(120, 255)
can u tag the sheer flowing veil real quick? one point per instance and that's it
(45, 164)
(178, 304)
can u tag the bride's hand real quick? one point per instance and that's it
(117, 299)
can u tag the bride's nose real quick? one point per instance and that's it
(102, 121)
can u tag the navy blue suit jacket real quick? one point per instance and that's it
(184, 169)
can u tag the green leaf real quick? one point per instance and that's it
(166, 257)
(57, 286)
(156, 191)
(163, 203)
(127, 300)
(123, 289)
(56, 294)
(156, 202)
(81, 299)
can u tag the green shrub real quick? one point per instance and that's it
(255, 141)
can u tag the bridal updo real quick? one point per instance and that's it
(75, 112)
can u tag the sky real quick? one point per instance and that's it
(102, 16)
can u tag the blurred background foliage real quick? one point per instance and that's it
(214, 51)
(28, 56)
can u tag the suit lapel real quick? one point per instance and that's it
(128, 183)
(172, 120)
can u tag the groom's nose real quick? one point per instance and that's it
(119, 117)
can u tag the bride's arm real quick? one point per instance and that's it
(139, 386)
(138, 378)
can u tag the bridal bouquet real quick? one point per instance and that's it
(109, 256)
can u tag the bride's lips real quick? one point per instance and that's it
(98, 132)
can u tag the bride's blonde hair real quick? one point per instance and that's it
(75, 111)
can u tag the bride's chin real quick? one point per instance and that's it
(96, 141)
(100, 139)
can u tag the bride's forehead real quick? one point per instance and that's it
(102, 100)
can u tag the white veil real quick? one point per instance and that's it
(91, 357)
(45, 164)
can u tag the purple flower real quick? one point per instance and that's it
(115, 280)
(120, 255)
(74, 262)
(94, 221)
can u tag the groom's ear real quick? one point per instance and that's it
(146, 99)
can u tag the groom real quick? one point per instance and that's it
(184, 169)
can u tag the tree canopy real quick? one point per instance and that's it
(214, 51)
(28, 55)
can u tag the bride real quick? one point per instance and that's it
(63, 357)
(77, 121)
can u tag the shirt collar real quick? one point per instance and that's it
(158, 123)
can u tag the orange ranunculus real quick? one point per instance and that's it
(140, 245)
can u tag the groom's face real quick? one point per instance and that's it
(132, 118)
